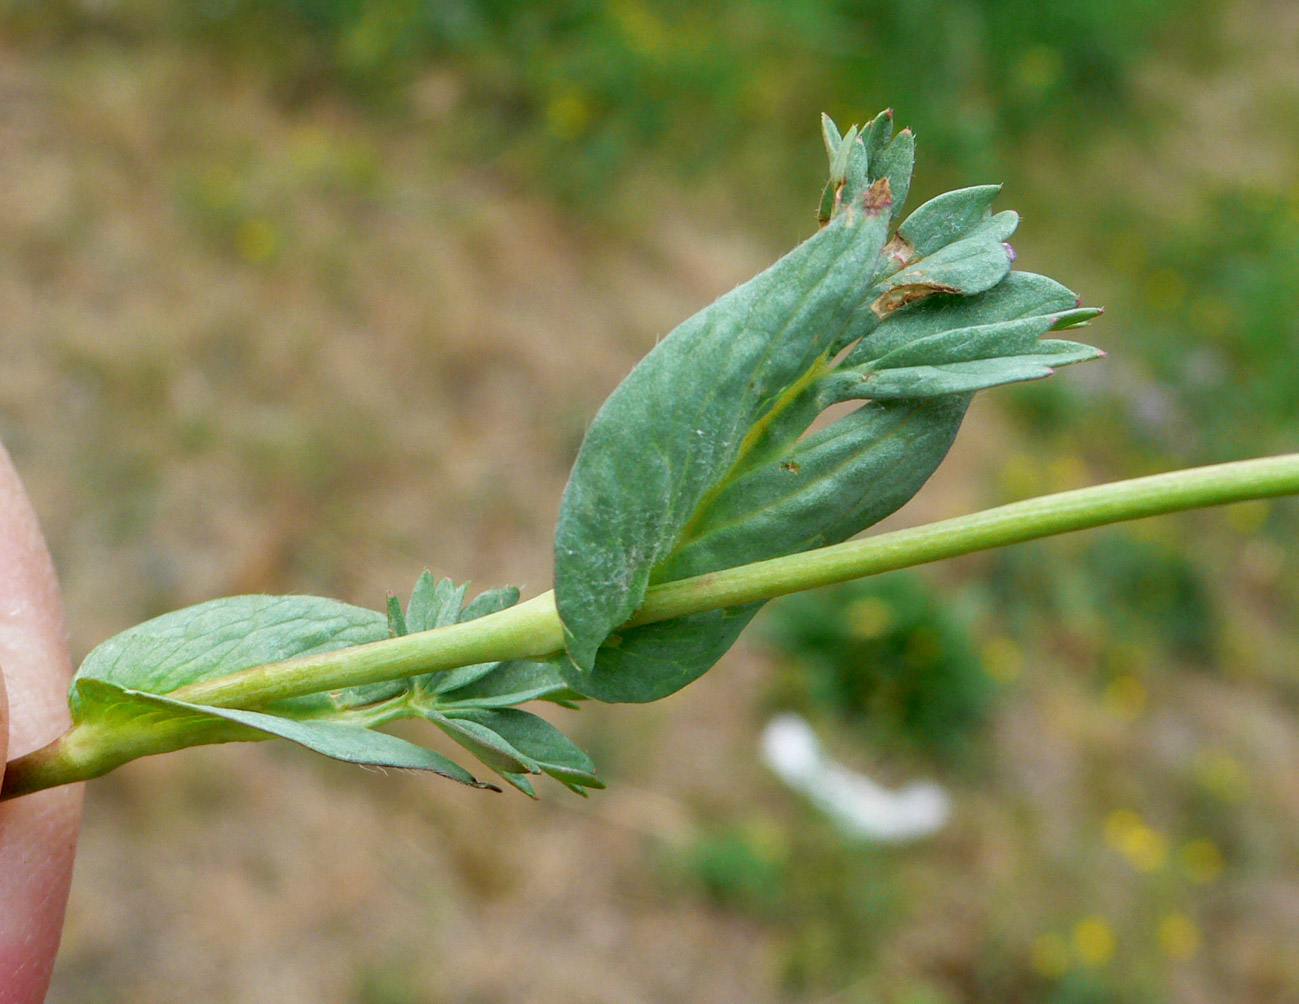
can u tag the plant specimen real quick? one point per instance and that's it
(704, 487)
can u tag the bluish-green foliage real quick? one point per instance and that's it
(702, 459)
(123, 686)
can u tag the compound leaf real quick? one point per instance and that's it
(162, 718)
(702, 458)
(537, 739)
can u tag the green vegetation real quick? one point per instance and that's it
(580, 93)
(888, 658)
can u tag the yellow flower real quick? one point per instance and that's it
(1144, 847)
(869, 618)
(1093, 941)
(1221, 774)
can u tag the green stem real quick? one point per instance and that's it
(1015, 523)
(532, 630)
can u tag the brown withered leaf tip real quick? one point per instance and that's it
(899, 249)
(900, 296)
(878, 198)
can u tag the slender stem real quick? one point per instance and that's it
(527, 630)
(532, 630)
(1015, 523)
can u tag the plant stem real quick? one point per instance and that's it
(1015, 523)
(532, 630)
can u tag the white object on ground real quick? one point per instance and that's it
(856, 804)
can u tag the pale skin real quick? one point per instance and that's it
(38, 834)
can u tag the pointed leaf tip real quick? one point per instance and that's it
(839, 162)
(830, 133)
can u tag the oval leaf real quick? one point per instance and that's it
(226, 635)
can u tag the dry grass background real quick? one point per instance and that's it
(246, 352)
(247, 349)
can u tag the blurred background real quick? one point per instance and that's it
(309, 295)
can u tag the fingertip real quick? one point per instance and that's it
(38, 833)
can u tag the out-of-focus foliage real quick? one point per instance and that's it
(1205, 368)
(1213, 315)
(833, 900)
(1114, 587)
(888, 658)
(583, 91)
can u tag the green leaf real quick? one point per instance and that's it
(509, 683)
(396, 619)
(947, 218)
(877, 135)
(679, 421)
(825, 488)
(830, 133)
(226, 635)
(521, 782)
(895, 162)
(702, 459)
(975, 262)
(133, 711)
(862, 157)
(489, 601)
(437, 603)
(538, 740)
(842, 157)
(1018, 295)
(648, 662)
(133, 719)
(487, 745)
(434, 603)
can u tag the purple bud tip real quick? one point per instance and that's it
(888, 112)
(1010, 253)
(1077, 301)
(1103, 353)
